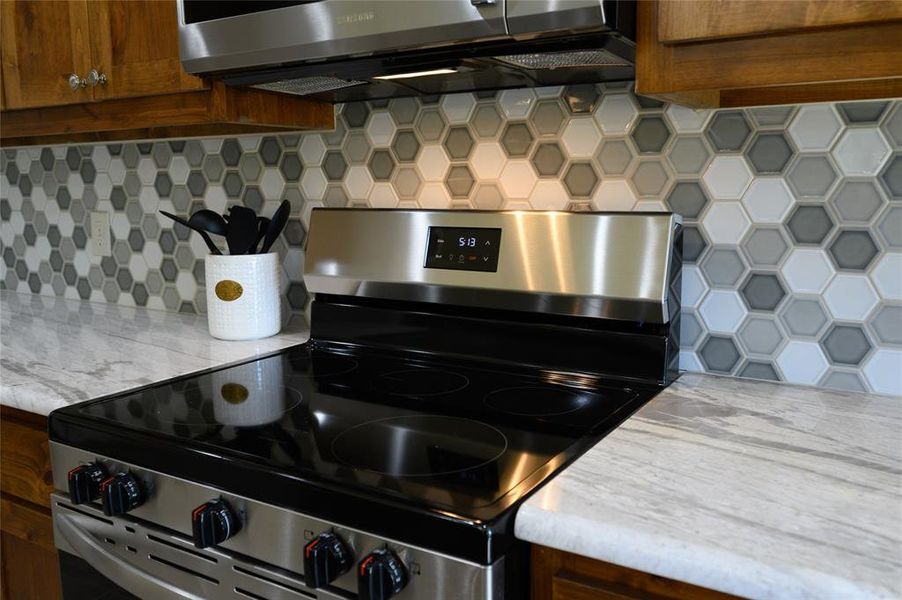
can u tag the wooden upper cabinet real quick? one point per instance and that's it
(43, 42)
(714, 53)
(135, 45)
(714, 19)
(145, 92)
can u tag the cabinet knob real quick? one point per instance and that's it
(96, 78)
(76, 82)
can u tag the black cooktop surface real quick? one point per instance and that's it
(455, 436)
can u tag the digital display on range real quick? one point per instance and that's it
(463, 248)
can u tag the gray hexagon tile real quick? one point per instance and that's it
(770, 153)
(615, 156)
(547, 117)
(651, 133)
(846, 345)
(853, 249)
(688, 199)
(792, 222)
(891, 176)
(763, 291)
(720, 354)
(728, 131)
(809, 224)
(761, 336)
(765, 246)
(580, 98)
(548, 159)
(890, 226)
(862, 112)
(759, 370)
(580, 180)
(689, 155)
(723, 267)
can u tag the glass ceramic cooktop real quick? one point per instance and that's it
(452, 434)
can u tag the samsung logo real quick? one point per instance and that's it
(356, 17)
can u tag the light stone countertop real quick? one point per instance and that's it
(55, 351)
(756, 489)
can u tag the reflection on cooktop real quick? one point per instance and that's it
(537, 401)
(419, 445)
(420, 382)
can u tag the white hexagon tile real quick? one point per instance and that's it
(792, 215)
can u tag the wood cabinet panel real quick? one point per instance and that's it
(30, 523)
(43, 42)
(558, 575)
(853, 61)
(147, 93)
(25, 460)
(220, 110)
(30, 572)
(135, 44)
(711, 19)
(29, 567)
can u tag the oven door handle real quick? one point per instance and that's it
(120, 572)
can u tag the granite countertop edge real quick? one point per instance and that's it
(757, 489)
(117, 348)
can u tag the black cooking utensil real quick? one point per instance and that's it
(276, 225)
(262, 226)
(242, 231)
(209, 221)
(203, 234)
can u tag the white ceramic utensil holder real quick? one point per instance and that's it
(243, 299)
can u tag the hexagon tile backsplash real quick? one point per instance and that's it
(793, 214)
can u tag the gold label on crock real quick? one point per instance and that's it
(234, 393)
(228, 290)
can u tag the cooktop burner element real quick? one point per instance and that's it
(537, 401)
(419, 445)
(420, 382)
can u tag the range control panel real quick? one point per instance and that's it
(463, 248)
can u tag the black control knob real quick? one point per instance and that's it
(380, 575)
(84, 482)
(325, 558)
(121, 493)
(213, 523)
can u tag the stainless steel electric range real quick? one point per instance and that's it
(457, 361)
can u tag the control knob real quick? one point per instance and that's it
(84, 482)
(213, 523)
(121, 493)
(380, 575)
(325, 559)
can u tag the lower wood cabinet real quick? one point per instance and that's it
(558, 575)
(29, 569)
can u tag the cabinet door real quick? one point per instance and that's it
(135, 44)
(30, 566)
(42, 43)
(680, 22)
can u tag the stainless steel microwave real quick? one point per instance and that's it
(355, 49)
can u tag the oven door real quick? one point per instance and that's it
(224, 36)
(121, 558)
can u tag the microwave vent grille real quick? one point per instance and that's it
(308, 85)
(562, 60)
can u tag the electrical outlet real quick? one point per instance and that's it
(100, 234)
